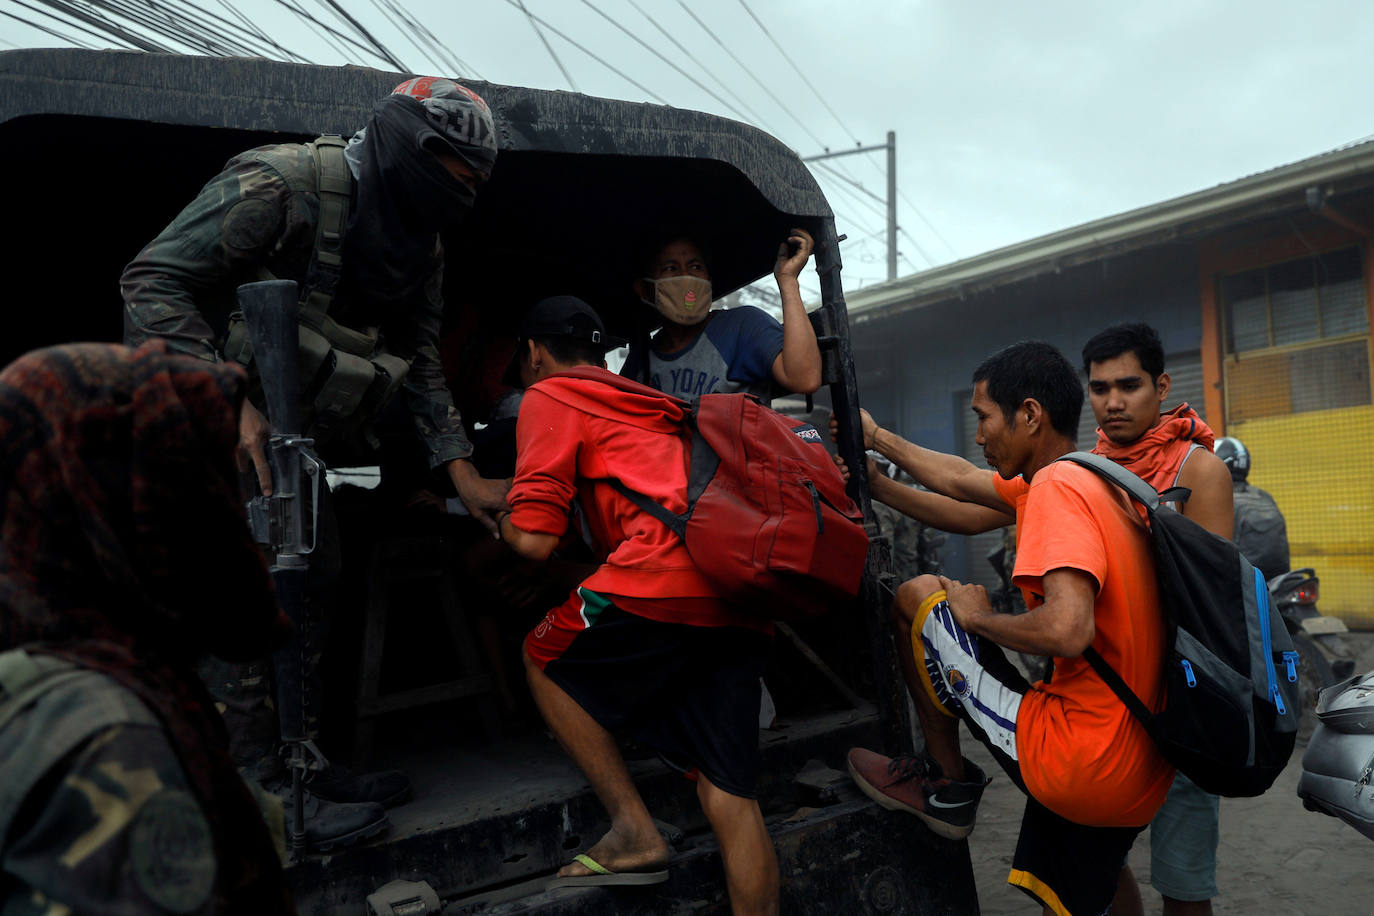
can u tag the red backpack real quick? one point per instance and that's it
(768, 522)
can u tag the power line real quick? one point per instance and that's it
(358, 26)
(826, 167)
(46, 30)
(400, 27)
(801, 73)
(848, 180)
(547, 47)
(192, 30)
(324, 32)
(110, 28)
(846, 184)
(258, 30)
(929, 225)
(787, 57)
(761, 84)
(456, 64)
(626, 77)
(930, 262)
(656, 53)
(758, 119)
(52, 32)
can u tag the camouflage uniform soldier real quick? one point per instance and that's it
(117, 794)
(357, 226)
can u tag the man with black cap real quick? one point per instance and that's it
(357, 225)
(643, 645)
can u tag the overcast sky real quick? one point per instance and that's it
(1013, 119)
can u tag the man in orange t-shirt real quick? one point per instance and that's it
(1093, 775)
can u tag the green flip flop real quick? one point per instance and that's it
(601, 876)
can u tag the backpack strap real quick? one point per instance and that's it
(1138, 489)
(1113, 680)
(1147, 496)
(334, 185)
(702, 463)
(676, 523)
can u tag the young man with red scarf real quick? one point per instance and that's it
(1127, 385)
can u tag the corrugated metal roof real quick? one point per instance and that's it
(1282, 188)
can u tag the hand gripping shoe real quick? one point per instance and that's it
(918, 786)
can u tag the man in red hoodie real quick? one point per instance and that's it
(1127, 385)
(642, 645)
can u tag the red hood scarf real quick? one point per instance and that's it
(1155, 457)
(124, 549)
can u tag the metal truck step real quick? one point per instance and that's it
(488, 826)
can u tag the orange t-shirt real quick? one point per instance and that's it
(1082, 754)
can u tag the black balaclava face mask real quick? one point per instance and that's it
(405, 197)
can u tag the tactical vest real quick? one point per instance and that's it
(346, 375)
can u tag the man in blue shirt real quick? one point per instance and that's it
(700, 351)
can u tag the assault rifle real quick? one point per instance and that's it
(279, 521)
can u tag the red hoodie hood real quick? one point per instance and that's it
(621, 399)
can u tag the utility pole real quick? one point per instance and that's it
(891, 147)
(891, 205)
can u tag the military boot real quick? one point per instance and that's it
(331, 825)
(338, 783)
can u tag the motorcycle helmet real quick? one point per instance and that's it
(1234, 455)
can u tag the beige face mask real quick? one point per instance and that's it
(682, 300)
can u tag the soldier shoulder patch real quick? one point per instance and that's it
(250, 224)
(172, 852)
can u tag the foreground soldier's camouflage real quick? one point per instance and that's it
(121, 807)
(117, 794)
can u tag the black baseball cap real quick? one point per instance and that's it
(560, 316)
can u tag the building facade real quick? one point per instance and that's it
(1261, 292)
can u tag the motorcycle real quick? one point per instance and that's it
(1323, 656)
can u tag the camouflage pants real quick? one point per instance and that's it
(246, 693)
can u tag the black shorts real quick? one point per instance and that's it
(691, 693)
(1068, 867)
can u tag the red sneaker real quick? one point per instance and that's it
(917, 786)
